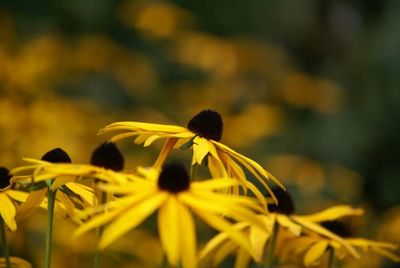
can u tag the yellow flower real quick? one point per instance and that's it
(44, 176)
(203, 134)
(314, 246)
(176, 198)
(8, 196)
(289, 225)
(15, 263)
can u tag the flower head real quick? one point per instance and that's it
(108, 156)
(202, 135)
(176, 198)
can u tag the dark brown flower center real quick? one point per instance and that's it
(285, 202)
(174, 178)
(337, 227)
(4, 177)
(56, 155)
(108, 156)
(207, 124)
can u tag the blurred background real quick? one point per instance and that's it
(309, 89)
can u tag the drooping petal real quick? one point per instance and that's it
(187, 238)
(222, 225)
(223, 251)
(33, 201)
(315, 252)
(242, 259)
(200, 150)
(131, 218)
(292, 226)
(386, 253)
(258, 239)
(165, 151)
(217, 240)
(7, 211)
(169, 230)
(85, 192)
(325, 232)
(222, 206)
(333, 213)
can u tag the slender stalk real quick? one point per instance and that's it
(331, 257)
(193, 171)
(100, 230)
(269, 258)
(4, 243)
(51, 197)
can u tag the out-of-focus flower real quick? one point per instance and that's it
(154, 19)
(288, 224)
(70, 192)
(203, 134)
(314, 246)
(15, 263)
(176, 197)
(8, 209)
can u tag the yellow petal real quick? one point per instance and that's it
(223, 205)
(243, 159)
(165, 151)
(258, 239)
(214, 184)
(131, 218)
(216, 168)
(17, 195)
(315, 252)
(223, 251)
(7, 211)
(366, 243)
(224, 226)
(285, 221)
(217, 240)
(242, 259)
(169, 230)
(187, 238)
(33, 201)
(386, 253)
(333, 213)
(68, 205)
(83, 191)
(325, 232)
(200, 150)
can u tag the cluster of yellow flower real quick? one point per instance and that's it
(255, 227)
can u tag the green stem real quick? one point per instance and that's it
(51, 197)
(4, 243)
(193, 171)
(331, 257)
(269, 258)
(100, 230)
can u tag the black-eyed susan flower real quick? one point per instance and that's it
(314, 247)
(203, 134)
(176, 198)
(7, 211)
(42, 180)
(281, 223)
(8, 198)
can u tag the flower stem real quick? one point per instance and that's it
(4, 243)
(193, 171)
(331, 257)
(51, 197)
(100, 230)
(269, 259)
